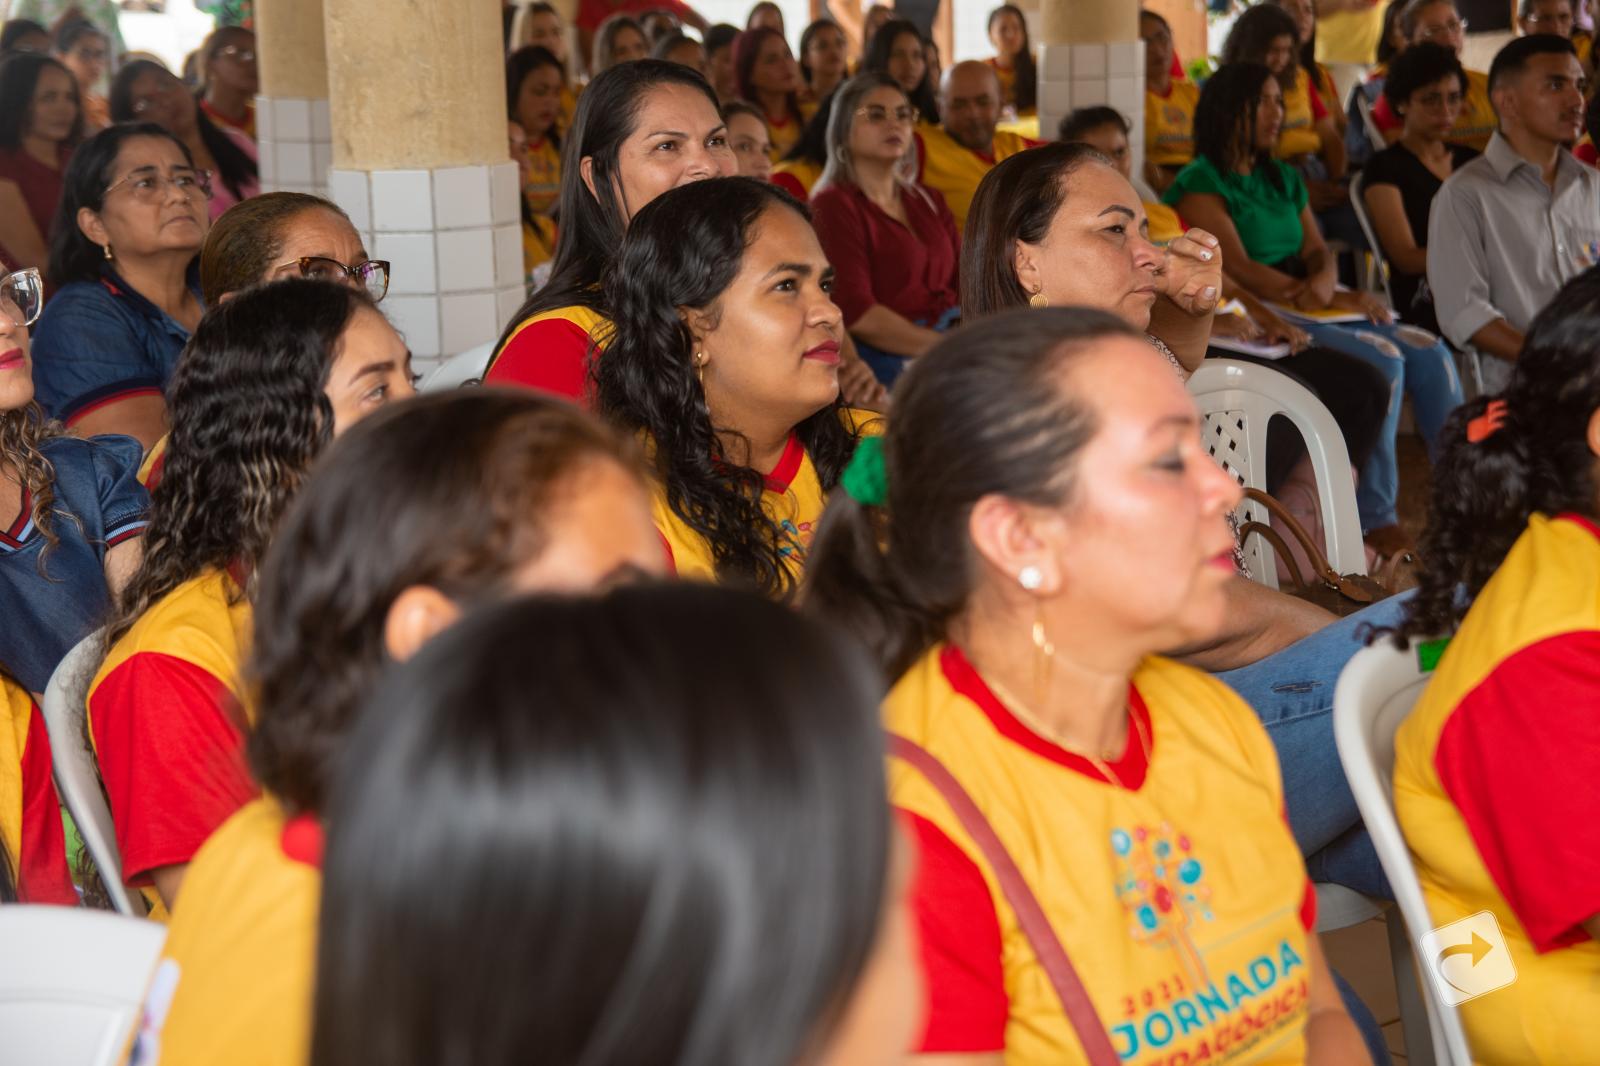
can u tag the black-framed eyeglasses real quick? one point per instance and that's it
(373, 275)
(22, 296)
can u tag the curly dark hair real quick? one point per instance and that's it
(592, 226)
(1539, 461)
(450, 490)
(234, 167)
(683, 251)
(876, 61)
(1419, 66)
(1225, 117)
(249, 414)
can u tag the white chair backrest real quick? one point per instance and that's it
(1375, 693)
(77, 778)
(458, 370)
(71, 982)
(1370, 123)
(1358, 186)
(1237, 400)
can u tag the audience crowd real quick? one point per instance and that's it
(822, 631)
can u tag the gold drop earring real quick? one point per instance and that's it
(1031, 578)
(1038, 300)
(700, 369)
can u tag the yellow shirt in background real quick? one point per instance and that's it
(1351, 36)
(1299, 135)
(955, 170)
(1169, 124)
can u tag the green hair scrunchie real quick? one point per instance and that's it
(865, 479)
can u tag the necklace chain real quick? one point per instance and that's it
(1100, 762)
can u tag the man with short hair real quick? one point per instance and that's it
(1509, 228)
(954, 157)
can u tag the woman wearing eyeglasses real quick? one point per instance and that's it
(130, 223)
(271, 237)
(71, 513)
(893, 242)
(1438, 22)
(147, 92)
(228, 96)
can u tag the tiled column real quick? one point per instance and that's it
(1092, 57)
(293, 133)
(421, 163)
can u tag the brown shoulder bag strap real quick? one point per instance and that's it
(1035, 926)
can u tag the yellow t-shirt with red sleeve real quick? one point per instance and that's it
(1474, 125)
(793, 499)
(1169, 124)
(550, 352)
(1165, 225)
(1351, 36)
(167, 717)
(32, 842)
(797, 177)
(150, 468)
(234, 984)
(1495, 787)
(784, 132)
(1302, 109)
(945, 164)
(1181, 899)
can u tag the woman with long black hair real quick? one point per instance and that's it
(1495, 767)
(770, 78)
(725, 360)
(1013, 61)
(269, 378)
(715, 882)
(896, 50)
(144, 91)
(535, 81)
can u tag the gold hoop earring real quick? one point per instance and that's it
(1038, 300)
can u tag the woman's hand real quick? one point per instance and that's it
(1326, 195)
(1239, 327)
(1278, 330)
(858, 385)
(1192, 274)
(1363, 303)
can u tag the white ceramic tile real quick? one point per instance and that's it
(417, 319)
(507, 302)
(1126, 94)
(504, 191)
(466, 259)
(267, 163)
(401, 201)
(321, 121)
(292, 119)
(264, 123)
(508, 255)
(411, 262)
(1122, 57)
(467, 321)
(1055, 98)
(1088, 61)
(294, 162)
(348, 189)
(1055, 62)
(321, 162)
(1090, 92)
(461, 197)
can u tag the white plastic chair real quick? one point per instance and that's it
(1358, 186)
(71, 982)
(459, 370)
(77, 778)
(1369, 122)
(1237, 400)
(1376, 692)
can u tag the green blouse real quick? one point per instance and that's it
(1266, 214)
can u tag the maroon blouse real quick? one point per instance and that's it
(41, 188)
(877, 260)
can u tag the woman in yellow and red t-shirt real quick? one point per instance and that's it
(33, 855)
(725, 362)
(268, 378)
(1495, 769)
(1040, 522)
(463, 497)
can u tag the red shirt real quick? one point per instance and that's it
(593, 12)
(911, 270)
(40, 187)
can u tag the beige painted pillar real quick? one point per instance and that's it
(421, 163)
(1091, 55)
(293, 131)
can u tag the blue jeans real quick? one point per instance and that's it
(886, 365)
(1292, 693)
(1425, 372)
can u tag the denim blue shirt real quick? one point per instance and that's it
(54, 598)
(99, 341)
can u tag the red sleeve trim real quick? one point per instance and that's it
(666, 550)
(1518, 758)
(782, 475)
(551, 355)
(1319, 110)
(1308, 907)
(302, 840)
(791, 185)
(960, 946)
(1383, 116)
(95, 404)
(171, 757)
(43, 875)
